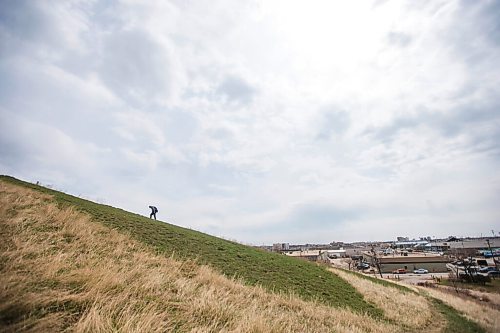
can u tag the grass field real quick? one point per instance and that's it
(127, 272)
(274, 272)
(60, 272)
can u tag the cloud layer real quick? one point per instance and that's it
(271, 121)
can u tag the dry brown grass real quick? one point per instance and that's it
(485, 316)
(408, 310)
(60, 272)
(493, 298)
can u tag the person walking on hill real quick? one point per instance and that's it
(154, 210)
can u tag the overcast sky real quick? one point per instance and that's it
(261, 121)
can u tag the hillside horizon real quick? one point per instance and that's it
(81, 266)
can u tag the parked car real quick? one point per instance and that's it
(494, 274)
(475, 277)
(489, 254)
(399, 271)
(487, 269)
(420, 271)
(363, 265)
(482, 262)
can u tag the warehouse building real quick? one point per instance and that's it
(432, 263)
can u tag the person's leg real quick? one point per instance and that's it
(154, 215)
(151, 216)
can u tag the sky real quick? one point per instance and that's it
(261, 121)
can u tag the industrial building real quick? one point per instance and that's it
(311, 255)
(463, 246)
(433, 263)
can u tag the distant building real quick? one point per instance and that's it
(388, 251)
(470, 246)
(311, 255)
(403, 239)
(336, 245)
(410, 262)
(279, 247)
(409, 244)
(357, 251)
(340, 253)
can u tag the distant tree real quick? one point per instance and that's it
(470, 274)
(348, 261)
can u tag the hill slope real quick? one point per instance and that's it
(61, 271)
(272, 271)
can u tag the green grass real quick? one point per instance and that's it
(456, 323)
(274, 272)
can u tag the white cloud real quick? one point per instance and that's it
(251, 121)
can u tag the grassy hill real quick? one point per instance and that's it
(60, 271)
(272, 271)
(71, 264)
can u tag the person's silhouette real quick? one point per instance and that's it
(154, 210)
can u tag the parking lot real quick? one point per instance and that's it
(411, 278)
(408, 278)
